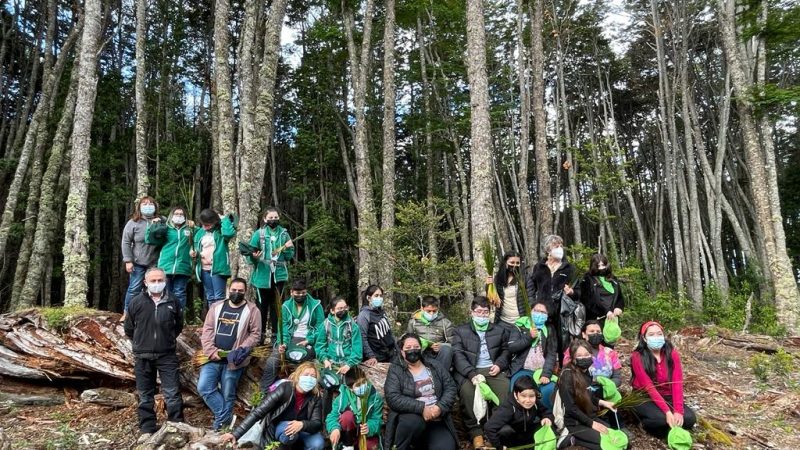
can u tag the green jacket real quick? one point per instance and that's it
(175, 243)
(267, 239)
(222, 235)
(290, 318)
(349, 400)
(339, 341)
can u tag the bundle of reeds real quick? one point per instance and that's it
(488, 260)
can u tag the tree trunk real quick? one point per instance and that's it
(142, 180)
(222, 76)
(389, 142)
(525, 210)
(482, 209)
(544, 196)
(429, 150)
(76, 255)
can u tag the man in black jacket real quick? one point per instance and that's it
(480, 354)
(153, 323)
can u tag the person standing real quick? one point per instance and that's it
(174, 240)
(153, 323)
(137, 255)
(600, 292)
(211, 246)
(506, 281)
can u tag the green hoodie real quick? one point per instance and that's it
(349, 400)
(267, 240)
(339, 341)
(290, 317)
(222, 235)
(175, 243)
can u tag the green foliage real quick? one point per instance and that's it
(58, 317)
(760, 364)
(665, 307)
(67, 439)
(781, 366)
(256, 396)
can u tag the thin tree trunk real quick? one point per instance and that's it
(544, 196)
(525, 210)
(222, 75)
(142, 180)
(429, 151)
(389, 141)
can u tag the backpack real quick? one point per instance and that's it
(605, 299)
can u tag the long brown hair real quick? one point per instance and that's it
(137, 213)
(294, 377)
(579, 386)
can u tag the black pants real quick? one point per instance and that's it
(268, 305)
(412, 430)
(582, 436)
(654, 421)
(146, 370)
(509, 437)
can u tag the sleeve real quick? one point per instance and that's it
(315, 322)
(398, 402)
(127, 242)
(530, 286)
(332, 419)
(616, 377)
(314, 423)
(448, 329)
(270, 402)
(375, 418)
(363, 325)
(207, 336)
(410, 328)
(178, 321)
(356, 346)
(641, 377)
(571, 408)
(253, 328)
(504, 358)
(288, 253)
(677, 383)
(620, 303)
(449, 388)
(229, 223)
(321, 343)
(255, 241)
(461, 362)
(500, 417)
(543, 411)
(519, 340)
(286, 321)
(583, 290)
(550, 352)
(130, 322)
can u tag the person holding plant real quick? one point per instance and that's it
(291, 410)
(517, 419)
(173, 238)
(211, 247)
(356, 415)
(533, 348)
(657, 371)
(581, 404)
(338, 343)
(507, 284)
(270, 261)
(600, 292)
(435, 330)
(379, 345)
(420, 394)
(137, 254)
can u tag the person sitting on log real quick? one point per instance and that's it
(233, 326)
(339, 342)
(435, 330)
(153, 323)
(301, 316)
(517, 419)
(480, 360)
(379, 345)
(421, 395)
(291, 411)
(356, 412)
(656, 369)
(532, 344)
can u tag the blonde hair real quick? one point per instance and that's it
(294, 377)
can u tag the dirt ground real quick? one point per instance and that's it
(720, 386)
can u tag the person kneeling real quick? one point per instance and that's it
(515, 421)
(292, 411)
(356, 412)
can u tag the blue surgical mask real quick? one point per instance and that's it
(361, 390)
(376, 302)
(539, 319)
(430, 316)
(655, 342)
(480, 320)
(306, 383)
(147, 210)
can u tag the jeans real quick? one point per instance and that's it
(176, 285)
(310, 441)
(146, 370)
(135, 283)
(213, 286)
(217, 385)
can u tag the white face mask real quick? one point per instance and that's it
(557, 253)
(156, 288)
(178, 220)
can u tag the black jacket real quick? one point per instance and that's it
(597, 306)
(153, 329)
(519, 345)
(376, 334)
(467, 347)
(274, 405)
(542, 285)
(400, 392)
(573, 415)
(523, 421)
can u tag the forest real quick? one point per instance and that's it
(398, 136)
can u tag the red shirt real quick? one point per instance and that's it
(661, 386)
(299, 400)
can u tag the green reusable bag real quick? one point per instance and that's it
(610, 391)
(679, 439)
(611, 330)
(614, 440)
(544, 438)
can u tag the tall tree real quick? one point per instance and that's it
(389, 140)
(525, 210)
(142, 180)
(543, 193)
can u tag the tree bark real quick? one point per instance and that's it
(389, 142)
(222, 76)
(142, 180)
(525, 210)
(544, 196)
(431, 231)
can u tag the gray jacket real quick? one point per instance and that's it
(133, 247)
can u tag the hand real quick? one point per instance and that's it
(294, 427)
(343, 370)
(363, 429)
(157, 219)
(282, 348)
(129, 267)
(427, 413)
(568, 290)
(334, 437)
(494, 370)
(546, 422)
(302, 343)
(193, 254)
(489, 280)
(289, 244)
(608, 405)
(544, 380)
(599, 427)
(215, 356)
(610, 315)
(678, 417)
(227, 437)
(123, 317)
(190, 223)
(371, 362)
(534, 332)
(257, 254)
(327, 364)
(436, 346)
(437, 411)
(617, 312)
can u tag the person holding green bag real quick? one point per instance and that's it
(600, 292)
(605, 360)
(435, 329)
(514, 423)
(533, 348)
(356, 412)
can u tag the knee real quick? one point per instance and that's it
(689, 419)
(314, 442)
(506, 432)
(347, 420)
(411, 424)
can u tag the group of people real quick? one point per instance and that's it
(514, 367)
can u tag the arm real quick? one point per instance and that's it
(321, 343)
(130, 322)
(461, 362)
(571, 408)
(500, 417)
(449, 388)
(543, 412)
(332, 420)
(363, 325)
(356, 347)
(519, 340)
(207, 337)
(314, 322)
(410, 328)
(642, 378)
(270, 402)
(255, 241)
(288, 253)
(620, 303)
(127, 242)
(229, 223)
(286, 320)
(314, 423)
(375, 415)
(394, 397)
(583, 290)
(448, 329)
(677, 383)
(504, 358)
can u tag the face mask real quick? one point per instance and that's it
(306, 383)
(147, 210)
(512, 269)
(299, 298)
(595, 339)
(413, 356)
(156, 288)
(539, 318)
(178, 220)
(236, 297)
(271, 223)
(584, 363)
(557, 253)
(340, 314)
(376, 302)
(361, 390)
(480, 320)
(655, 342)
(430, 316)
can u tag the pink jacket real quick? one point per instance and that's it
(248, 334)
(661, 386)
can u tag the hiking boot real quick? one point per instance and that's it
(477, 442)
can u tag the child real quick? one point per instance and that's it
(344, 421)
(431, 325)
(515, 421)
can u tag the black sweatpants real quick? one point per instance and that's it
(268, 305)
(413, 430)
(582, 436)
(146, 370)
(654, 421)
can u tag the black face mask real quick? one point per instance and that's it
(271, 223)
(512, 269)
(595, 339)
(299, 298)
(236, 297)
(340, 314)
(413, 356)
(584, 363)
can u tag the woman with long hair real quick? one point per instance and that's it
(137, 254)
(376, 330)
(599, 291)
(506, 281)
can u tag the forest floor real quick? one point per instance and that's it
(720, 386)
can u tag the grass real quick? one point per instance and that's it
(59, 317)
